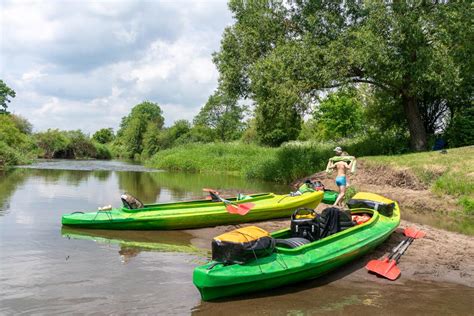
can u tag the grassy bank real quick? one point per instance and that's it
(282, 164)
(451, 173)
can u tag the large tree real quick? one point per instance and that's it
(283, 54)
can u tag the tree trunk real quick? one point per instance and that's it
(415, 124)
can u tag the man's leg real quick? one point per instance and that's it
(342, 192)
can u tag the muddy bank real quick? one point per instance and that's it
(397, 184)
(441, 256)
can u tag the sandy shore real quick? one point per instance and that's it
(441, 256)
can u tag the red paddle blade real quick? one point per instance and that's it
(240, 209)
(385, 268)
(414, 233)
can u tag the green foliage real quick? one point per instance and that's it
(467, 204)
(51, 142)
(350, 192)
(249, 136)
(22, 124)
(16, 147)
(5, 94)
(208, 158)
(290, 162)
(155, 139)
(338, 116)
(223, 116)
(104, 135)
(102, 151)
(373, 143)
(54, 143)
(461, 128)
(144, 116)
(282, 55)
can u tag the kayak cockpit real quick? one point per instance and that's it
(286, 242)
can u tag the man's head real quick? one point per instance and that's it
(338, 151)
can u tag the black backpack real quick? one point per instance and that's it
(305, 224)
(333, 220)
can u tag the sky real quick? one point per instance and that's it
(78, 64)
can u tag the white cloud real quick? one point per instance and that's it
(84, 64)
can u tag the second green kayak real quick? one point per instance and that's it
(193, 214)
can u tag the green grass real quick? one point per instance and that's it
(451, 173)
(283, 164)
(209, 158)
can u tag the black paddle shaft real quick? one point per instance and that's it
(395, 249)
(403, 249)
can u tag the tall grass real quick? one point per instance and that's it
(283, 164)
(209, 158)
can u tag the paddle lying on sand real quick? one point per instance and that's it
(231, 207)
(388, 267)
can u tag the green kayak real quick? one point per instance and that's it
(192, 214)
(311, 260)
(330, 197)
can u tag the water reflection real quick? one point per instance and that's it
(9, 181)
(133, 243)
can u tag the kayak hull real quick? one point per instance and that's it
(286, 266)
(192, 214)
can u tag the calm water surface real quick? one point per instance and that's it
(47, 269)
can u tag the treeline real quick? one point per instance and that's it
(18, 145)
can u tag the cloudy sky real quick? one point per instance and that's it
(78, 64)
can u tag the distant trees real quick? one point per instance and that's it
(104, 135)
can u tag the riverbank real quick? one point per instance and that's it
(441, 256)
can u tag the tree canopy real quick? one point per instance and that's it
(223, 115)
(104, 135)
(283, 54)
(143, 117)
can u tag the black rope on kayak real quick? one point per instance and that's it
(253, 251)
(109, 215)
(78, 212)
(285, 266)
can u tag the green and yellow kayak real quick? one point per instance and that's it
(289, 265)
(192, 214)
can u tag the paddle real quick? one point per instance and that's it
(231, 207)
(388, 267)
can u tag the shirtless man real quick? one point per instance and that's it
(342, 168)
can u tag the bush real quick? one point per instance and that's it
(51, 142)
(70, 145)
(16, 147)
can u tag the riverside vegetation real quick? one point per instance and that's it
(384, 79)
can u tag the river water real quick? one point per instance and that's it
(47, 269)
